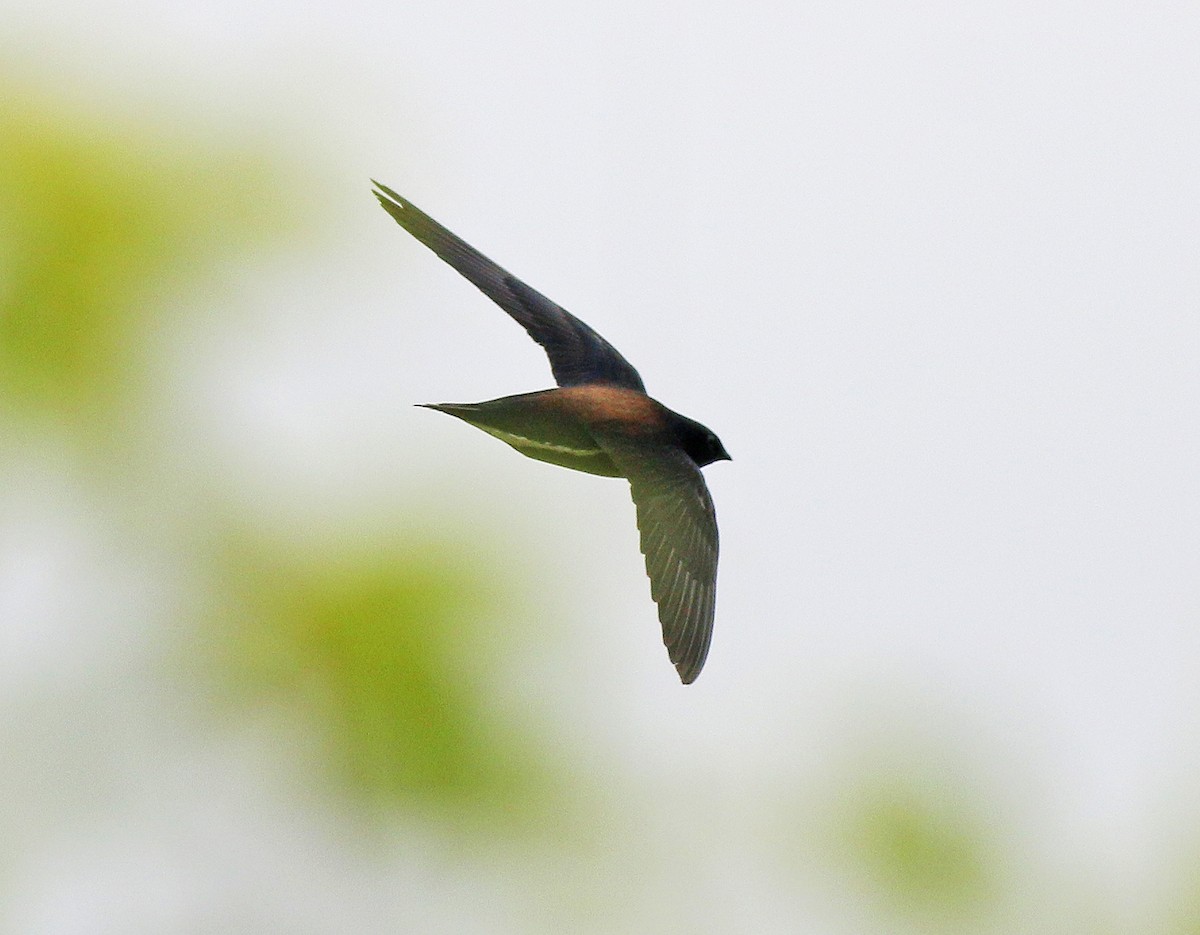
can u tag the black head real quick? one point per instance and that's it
(700, 443)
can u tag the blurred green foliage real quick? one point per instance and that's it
(920, 850)
(387, 645)
(109, 231)
(101, 223)
(919, 845)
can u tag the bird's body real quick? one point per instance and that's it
(551, 425)
(558, 425)
(599, 420)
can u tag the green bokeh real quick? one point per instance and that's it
(920, 851)
(385, 649)
(920, 845)
(104, 223)
(112, 231)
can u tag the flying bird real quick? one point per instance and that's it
(600, 420)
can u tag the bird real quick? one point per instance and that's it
(600, 420)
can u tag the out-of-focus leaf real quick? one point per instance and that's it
(919, 846)
(382, 645)
(100, 222)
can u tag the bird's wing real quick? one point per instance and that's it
(577, 353)
(678, 529)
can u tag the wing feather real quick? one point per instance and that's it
(678, 533)
(577, 354)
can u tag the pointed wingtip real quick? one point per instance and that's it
(690, 666)
(388, 198)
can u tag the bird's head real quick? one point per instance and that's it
(701, 443)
